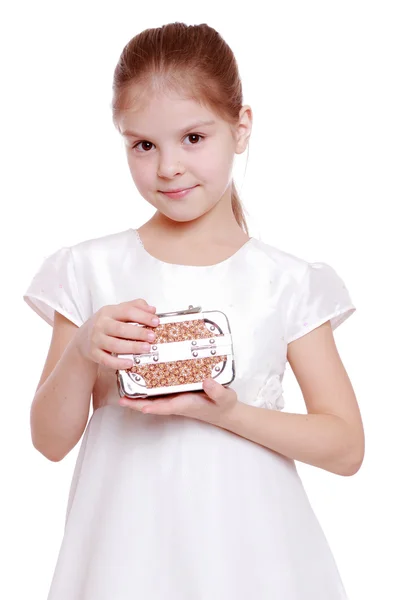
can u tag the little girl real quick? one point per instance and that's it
(191, 496)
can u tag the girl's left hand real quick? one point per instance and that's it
(209, 406)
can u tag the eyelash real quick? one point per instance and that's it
(188, 135)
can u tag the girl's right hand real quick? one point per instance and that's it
(110, 330)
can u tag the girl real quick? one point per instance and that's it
(193, 496)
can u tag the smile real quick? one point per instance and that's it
(179, 194)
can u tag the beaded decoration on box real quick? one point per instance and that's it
(190, 346)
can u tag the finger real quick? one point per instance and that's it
(160, 407)
(148, 407)
(128, 313)
(142, 403)
(141, 302)
(118, 346)
(105, 359)
(127, 331)
(134, 404)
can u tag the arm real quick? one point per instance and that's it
(61, 405)
(331, 435)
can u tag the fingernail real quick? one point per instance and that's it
(155, 321)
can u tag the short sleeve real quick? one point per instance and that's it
(54, 287)
(322, 296)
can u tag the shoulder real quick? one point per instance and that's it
(97, 258)
(311, 292)
(111, 245)
(293, 267)
(302, 277)
(109, 242)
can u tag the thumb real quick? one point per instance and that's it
(215, 390)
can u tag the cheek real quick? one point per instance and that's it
(141, 172)
(218, 167)
(218, 161)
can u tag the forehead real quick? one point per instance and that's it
(162, 113)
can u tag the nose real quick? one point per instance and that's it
(169, 166)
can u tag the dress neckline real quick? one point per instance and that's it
(238, 252)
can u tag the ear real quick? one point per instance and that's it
(243, 128)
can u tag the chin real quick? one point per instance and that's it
(185, 214)
(179, 210)
(181, 217)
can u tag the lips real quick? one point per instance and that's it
(177, 190)
(180, 194)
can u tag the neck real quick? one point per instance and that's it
(218, 225)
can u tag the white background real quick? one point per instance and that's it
(322, 182)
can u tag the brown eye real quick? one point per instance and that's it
(144, 144)
(197, 136)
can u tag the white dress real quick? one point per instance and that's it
(168, 507)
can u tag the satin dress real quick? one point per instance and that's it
(169, 507)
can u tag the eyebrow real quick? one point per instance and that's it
(194, 126)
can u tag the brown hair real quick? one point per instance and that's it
(180, 57)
